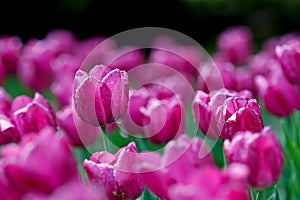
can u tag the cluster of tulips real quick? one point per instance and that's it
(149, 100)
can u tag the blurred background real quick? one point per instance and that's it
(202, 20)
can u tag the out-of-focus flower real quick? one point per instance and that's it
(79, 134)
(61, 40)
(181, 58)
(101, 96)
(125, 58)
(74, 190)
(40, 163)
(8, 131)
(222, 113)
(211, 182)
(5, 102)
(235, 44)
(277, 94)
(116, 173)
(10, 51)
(289, 57)
(156, 112)
(32, 115)
(181, 158)
(261, 152)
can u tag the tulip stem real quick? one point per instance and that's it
(104, 138)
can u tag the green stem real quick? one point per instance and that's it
(104, 138)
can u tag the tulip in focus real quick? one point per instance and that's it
(261, 152)
(116, 173)
(101, 96)
(8, 131)
(5, 102)
(32, 115)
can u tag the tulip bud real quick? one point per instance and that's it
(289, 57)
(116, 173)
(101, 97)
(32, 115)
(261, 152)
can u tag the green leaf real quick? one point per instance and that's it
(147, 195)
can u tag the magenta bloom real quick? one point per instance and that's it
(116, 173)
(181, 158)
(211, 182)
(10, 51)
(156, 112)
(261, 152)
(101, 96)
(235, 44)
(5, 102)
(40, 163)
(277, 94)
(289, 57)
(8, 131)
(79, 134)
(32, 115)
(222, 113)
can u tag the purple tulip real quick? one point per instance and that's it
(79, 134)
(8, 131)
(5, 102)
(235, 44)
(211, 182)
(32, 115)
(222, 113)
(101, 97)
(116, 173)
(181, 158)
(40, 163)
(278, 96)
(10, 51)
(261, 152)
(289, 57)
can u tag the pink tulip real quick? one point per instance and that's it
(235, 44)
(40, 163)
(181, 158)
(101, 96)
(79, 134)
(10, 51)
(222, 113)
(32, 115)
(5, 102)
(289, 57)
(278, 96)
(70, 191)
(158, 113)
(116, 173)
(261, 152)
(8, 131)
(211, 182)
